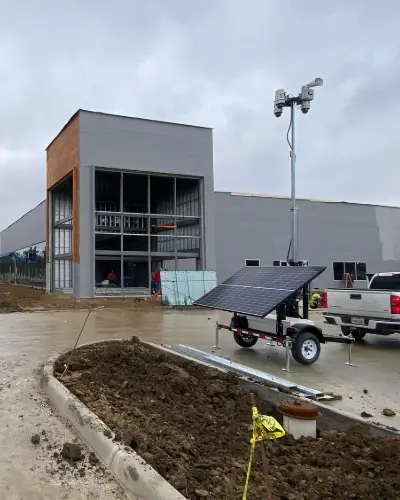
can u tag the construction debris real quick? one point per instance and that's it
(72, 451)
(35, 439)
(387, 412)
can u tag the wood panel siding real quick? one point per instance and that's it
(63, 153)
(63, 156)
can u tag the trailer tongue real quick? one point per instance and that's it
(252, 293)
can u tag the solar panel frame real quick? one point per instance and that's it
(257, 291)
(289, 278)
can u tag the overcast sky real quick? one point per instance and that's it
(215, 63)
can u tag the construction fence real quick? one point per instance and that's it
(27, 273)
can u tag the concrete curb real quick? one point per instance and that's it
(139, 478)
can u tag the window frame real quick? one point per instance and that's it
(353, 263)
(253, 260)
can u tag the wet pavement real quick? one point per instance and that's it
(30, 471)
(28, 340)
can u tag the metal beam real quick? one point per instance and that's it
(121, 207)
(64, 221)
(246, 371)
(176, 228)
(148, 229)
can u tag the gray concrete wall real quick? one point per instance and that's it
(250, 227)
(124, 143)
(29, 230)
(83, 273)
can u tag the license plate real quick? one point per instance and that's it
(357, 321)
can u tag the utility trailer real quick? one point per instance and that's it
(304, 338)
(253, 293)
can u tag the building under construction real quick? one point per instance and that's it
(128, 196)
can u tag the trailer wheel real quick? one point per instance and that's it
(357, 333)
(245, 340)
(306, 348)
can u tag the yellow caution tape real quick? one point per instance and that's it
(264, 427)
(65, 369)
(102, 424)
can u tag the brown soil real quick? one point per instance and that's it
(191, 423)
(20, 298)
(72, 451)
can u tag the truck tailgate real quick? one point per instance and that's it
(353, 302)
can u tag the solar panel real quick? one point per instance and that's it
(289, 278)
(257, 291)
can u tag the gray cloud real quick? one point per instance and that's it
(215, 63)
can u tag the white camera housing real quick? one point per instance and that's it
(317, 82)
(307, 94)
(280, 98)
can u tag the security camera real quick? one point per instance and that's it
(305, 107)
(317, 82)
(307, 94)
(280, 98)
(278, 111)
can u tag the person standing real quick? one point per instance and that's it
(112, 277)
(157, 280)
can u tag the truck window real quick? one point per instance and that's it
(385, 283)
(361, 270)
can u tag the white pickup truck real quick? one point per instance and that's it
(373, 310)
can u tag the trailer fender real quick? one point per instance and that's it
(295, 330)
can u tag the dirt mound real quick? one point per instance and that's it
(21, 298)
(191, 423)
(9, 306)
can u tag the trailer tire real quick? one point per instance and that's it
(357, 333)
(306, 348)
(244, 340)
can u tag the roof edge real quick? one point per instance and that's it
(314, 200)
(80, 110)
(22, 216)
(166, 122)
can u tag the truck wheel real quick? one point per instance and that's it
(244, 340)
(306, 348)
(357, 333)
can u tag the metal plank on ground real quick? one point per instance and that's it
(250, 373)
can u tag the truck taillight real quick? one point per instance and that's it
(395, 304)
